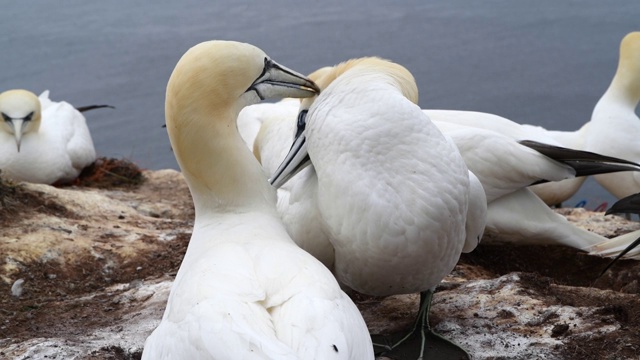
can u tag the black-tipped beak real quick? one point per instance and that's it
(277, 81)
(297, 158)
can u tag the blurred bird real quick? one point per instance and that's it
(43, 141)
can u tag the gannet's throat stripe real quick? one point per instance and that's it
(302, 124)
(284, 172)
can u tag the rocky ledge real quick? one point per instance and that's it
(85, 273)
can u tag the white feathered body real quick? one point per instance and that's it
(615, 131)
(56, 153)
(551, 193)
(297, 198)
(245, 293)
(391, 189)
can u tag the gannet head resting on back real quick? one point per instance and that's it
(377, 79)
(391, 188)
(398, 76)
(21, 113)
(206, 98)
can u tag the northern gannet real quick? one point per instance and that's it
(244, 289)
(391, 192)
(614, 128)
(42, 141)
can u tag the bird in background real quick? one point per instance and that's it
(43, 141)
(244, 289)
(614, 128)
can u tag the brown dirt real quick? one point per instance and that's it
(562, 275)
(15, 200)
(58, 297)
(52, 303)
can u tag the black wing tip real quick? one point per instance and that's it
(93, 107)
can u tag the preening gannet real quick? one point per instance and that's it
(42, 141)
(244, 289)
(391, 192)
(614, 128)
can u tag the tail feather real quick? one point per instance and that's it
(585, 163)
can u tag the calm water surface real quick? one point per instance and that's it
(540, 62)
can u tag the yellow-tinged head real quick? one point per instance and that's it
(630, 50)
(626, 82)
(21, 113)
(209, 86)
(397, 74)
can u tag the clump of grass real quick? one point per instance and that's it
(110, 172)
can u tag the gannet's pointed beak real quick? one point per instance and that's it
(17, 130)
(297, 158)
(277, 81)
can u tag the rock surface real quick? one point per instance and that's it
(85, 273)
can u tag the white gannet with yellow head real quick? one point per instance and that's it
(391, 191)
(42, 141)
(614, 128)
(244, 290)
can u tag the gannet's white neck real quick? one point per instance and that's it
(209, 86)
(625, 86)
(235, 179)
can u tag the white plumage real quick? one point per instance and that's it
(552, 193)
(52, 145)
(388, 193)
(391, 189)
(506, 168)
(244, 289)
(614, 128)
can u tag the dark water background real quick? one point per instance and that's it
(543, 62)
